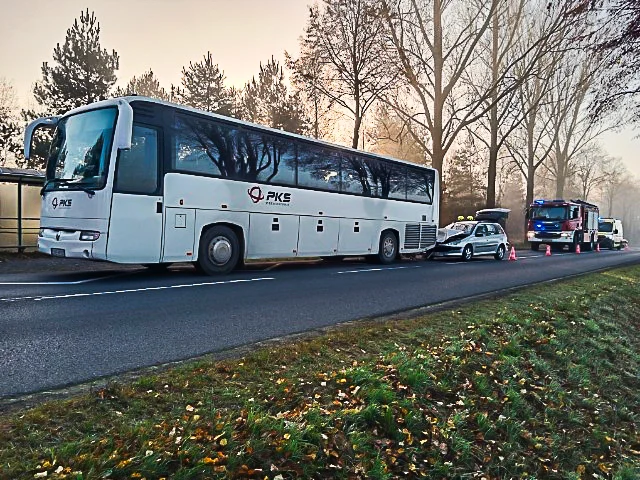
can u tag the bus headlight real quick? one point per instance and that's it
(89, 236)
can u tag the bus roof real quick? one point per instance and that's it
(129, 99)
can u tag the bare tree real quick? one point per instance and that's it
(572, 128)
(9, 128)
(589, 169)
(345, 41)
(435, 42)
(391, 137)
(522, 34)
(306, 81)
(614, 174)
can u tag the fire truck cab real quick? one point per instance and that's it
(559, 223)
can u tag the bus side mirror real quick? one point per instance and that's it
(41, 123)
(615, 231)
(124, 129)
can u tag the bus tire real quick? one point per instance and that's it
(388, 248)
(219, 251)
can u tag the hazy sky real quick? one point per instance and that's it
(164, 35)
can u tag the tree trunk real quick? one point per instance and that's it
(493, 118)
(437, 159)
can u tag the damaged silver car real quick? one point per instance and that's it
(472, 238)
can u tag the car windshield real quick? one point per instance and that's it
(549, 213)
(605, 227)
(79, 153)
(463, 227)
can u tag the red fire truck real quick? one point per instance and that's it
(559, 223)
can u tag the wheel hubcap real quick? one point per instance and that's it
(220, 250)
(388, 248)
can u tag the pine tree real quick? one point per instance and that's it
(203, 87)
(463, 186)
(146, 85)
(83, 73)
(267, 101)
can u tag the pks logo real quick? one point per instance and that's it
(255, 193)
(272, 197)
(62, 203)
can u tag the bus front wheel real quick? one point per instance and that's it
(219, 251)
(388, 250)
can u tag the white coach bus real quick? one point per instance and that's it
(137, 180)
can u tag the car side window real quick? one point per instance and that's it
(482, 230)
(491, 230)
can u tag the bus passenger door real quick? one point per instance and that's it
(318, 236)
(135, 225)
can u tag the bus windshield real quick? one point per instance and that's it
(549, 213)
(78, 158)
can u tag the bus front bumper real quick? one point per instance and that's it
(72, 243)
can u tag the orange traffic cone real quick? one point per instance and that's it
(512, 254)
(578, 248)
(597, 248)
(548, 252)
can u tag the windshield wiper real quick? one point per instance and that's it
(67, 181)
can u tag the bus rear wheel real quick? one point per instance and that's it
(388, 249)
(219, 251)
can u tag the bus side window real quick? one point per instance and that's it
(137, 168)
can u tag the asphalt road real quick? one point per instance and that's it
(66, 328)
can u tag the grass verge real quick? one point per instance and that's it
(544, 383)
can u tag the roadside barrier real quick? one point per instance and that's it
(512, 254)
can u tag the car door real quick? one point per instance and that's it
(493, 238)
(480, 239)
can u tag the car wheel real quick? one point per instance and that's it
(388, 249)
(535, 246)
(467, 253)
(499, 255)
(219, 251)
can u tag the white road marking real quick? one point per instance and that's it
(380, 269)
(135, 290)
(75, 282)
